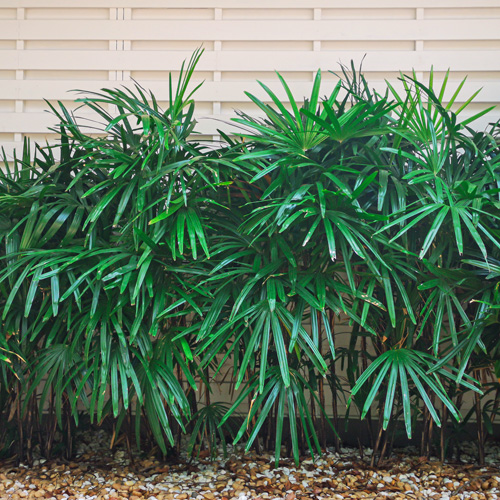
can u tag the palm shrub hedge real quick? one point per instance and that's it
(139, 264)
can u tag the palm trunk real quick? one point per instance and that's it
(480, 429)
(334, 387)
(384, 447)
(378, 440)
(268, 443)
(321, 394)
(29, 429)
(443, 432)
(179, 430)
(364, 364)
(19, 424)
(129, 434)
(426, 433)
(256, 443)
(68, 437)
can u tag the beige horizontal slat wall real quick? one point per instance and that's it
(48, 47)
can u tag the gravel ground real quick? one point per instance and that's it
(98, 474)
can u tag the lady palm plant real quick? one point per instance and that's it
(440, 211)
(138, 264)
(366, 211)
(96, 245)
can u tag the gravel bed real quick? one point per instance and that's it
(98, 474)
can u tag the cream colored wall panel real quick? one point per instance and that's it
(228, 108)
(368, 13)
(173, 13)
(39, 122)
(360, 45)
(473, 12)
(48, 89)
(228, 92)
(7, 137)
(68, 74)
(84, 61)
(203, 108)
(66, 45)
(457, 29)
(7, 44)
(223, 92)
(475, 107)
(267, 14)
(374, 61)
(7, 106)
(32, 123)
(252, 76)
(231, 93)
(8, 13)
(66, 13)
(479, 45)
(10, 146)
(260, 4)
(40, 106)
(170, 45)
(66, 65)
(475, 79)
(163, 76)
(266, 45)
(208, 124)
(7, 74)
(44, 138)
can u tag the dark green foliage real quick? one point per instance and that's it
(138, 264)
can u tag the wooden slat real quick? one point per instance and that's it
(39, 122)
(207, 125)
(456, 29)
(30, 90)
(257, 4)
(247, 60)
